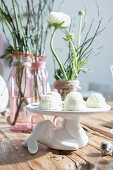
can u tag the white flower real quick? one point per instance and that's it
(58, 19)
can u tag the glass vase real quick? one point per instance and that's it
(40, 77)
(21, 92)
(40, 83)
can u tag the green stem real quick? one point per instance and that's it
(14, 42)
(79, 32)
(56, 57)
(43, 116)
(35, 87)
(74, 60)
(20, 18)
(16, 19)
(15, 14)
(8, 24)
(19, 75)
(35, 91)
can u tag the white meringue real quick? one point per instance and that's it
(51, 101)
(96, 100)
(74, 101)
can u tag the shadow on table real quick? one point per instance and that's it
(108, 124)
(94, 155)
(12, 152)
(100, 161)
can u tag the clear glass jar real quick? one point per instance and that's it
(21, 92)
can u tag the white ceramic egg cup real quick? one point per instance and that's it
(70, 136)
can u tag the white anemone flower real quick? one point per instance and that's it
(59, 19)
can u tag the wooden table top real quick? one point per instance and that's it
(14, 157)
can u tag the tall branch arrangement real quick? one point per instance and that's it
(38, 28)
(13, 20)
(29, 33)
(28, 28)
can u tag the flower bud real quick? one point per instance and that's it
(81, 13)
(69, 36)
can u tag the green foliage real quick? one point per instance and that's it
(26, 27)
(78, 57)
(7, 55)
(13, 21)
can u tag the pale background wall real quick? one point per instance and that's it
(99, 64)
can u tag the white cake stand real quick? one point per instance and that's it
(70, 136)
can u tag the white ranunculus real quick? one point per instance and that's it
(57, 18)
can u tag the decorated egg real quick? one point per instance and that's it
(106, 148)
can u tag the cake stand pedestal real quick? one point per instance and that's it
(70, 136)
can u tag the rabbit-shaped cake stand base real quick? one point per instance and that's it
(70, 136)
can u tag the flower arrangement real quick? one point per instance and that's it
(78, 54)
(28, 35)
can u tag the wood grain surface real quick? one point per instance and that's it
(14, 157)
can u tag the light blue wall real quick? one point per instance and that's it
(100, 64)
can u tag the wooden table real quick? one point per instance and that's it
(14, 156)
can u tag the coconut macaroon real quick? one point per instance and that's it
(74, 102)
(51, 101)
(55, 94)
(96, 100)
